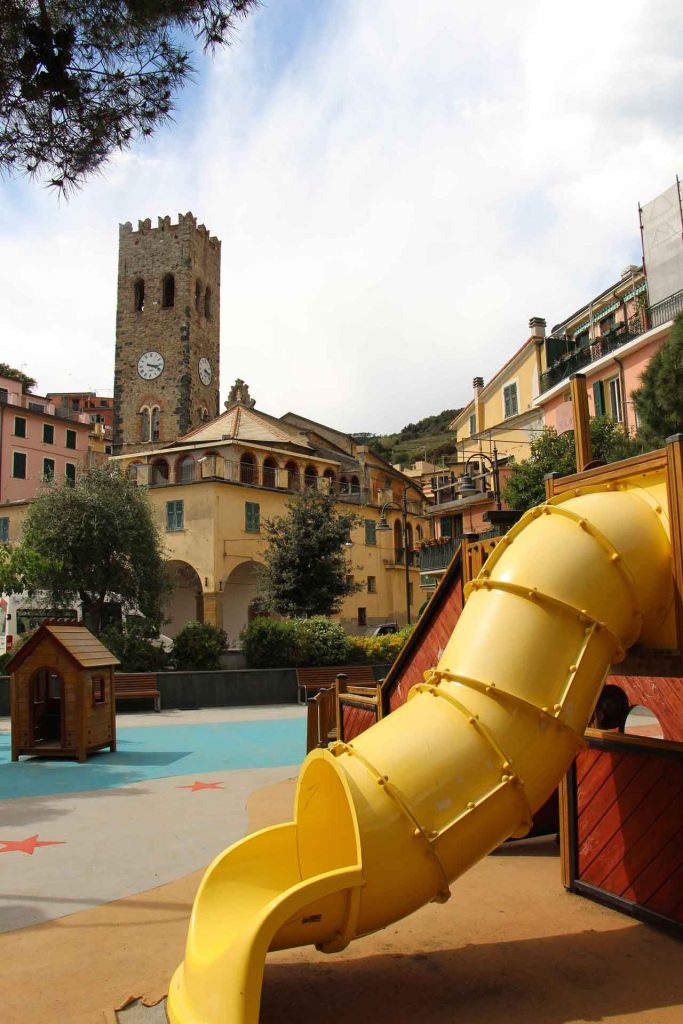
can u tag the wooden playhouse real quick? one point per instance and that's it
(62, 694)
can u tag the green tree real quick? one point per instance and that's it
(306, 569)
(555, 453)
(27, 383)
(97, 542)
(659, 399)
(136, 644)
(19, 568)
(79, 79)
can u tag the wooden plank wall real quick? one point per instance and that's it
(662, 695)
(629, 827)
(356, 721)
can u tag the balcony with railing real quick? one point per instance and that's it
(438, 554)
(666, 310)
(160, 473)
(574, 361)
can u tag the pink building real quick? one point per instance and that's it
(38, 441)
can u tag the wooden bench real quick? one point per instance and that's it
(132, 685)
(310, 680)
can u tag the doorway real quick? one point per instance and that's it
(47, 702)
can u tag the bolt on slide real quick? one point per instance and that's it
(385, 824)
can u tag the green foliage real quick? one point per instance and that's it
(270, 643)
(137, 646)
(659, 399)
(555, 453)
(198, 646)
(289, 643)
(20, 567)
(79, 80)
(306, 571)
(27, 383)
(319, 641)
(376, 650)
(18, 644)
(429, 436)
(97, 542)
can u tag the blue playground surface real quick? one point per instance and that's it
(156, 752)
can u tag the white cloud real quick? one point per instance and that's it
(395, 200)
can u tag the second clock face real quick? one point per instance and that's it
(205, 370)
(150, 365)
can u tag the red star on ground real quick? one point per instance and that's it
(27, 845)
(202, 785)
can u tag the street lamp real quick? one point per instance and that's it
(467, 487)
(384, 525)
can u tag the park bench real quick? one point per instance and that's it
(133, 685)
(327, 690)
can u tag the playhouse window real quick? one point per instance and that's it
(98, 690)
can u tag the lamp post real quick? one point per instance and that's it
(384, 525)
(467, 488)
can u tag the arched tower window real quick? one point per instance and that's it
(184, 469)
(355, 485)
(168, 291)
(247, 469)
(156, 423)
(160, 472)
(198, 295)
(145, 424)
(139, 295)
(207, 303)
(270, 468)
(310, 476)
(292, 476)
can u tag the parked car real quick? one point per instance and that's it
(384, 629)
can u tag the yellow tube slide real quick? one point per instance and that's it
(386, 823)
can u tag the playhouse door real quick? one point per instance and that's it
(46, 707)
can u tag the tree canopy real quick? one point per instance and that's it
(306, 569)
(556, 453)
(659, 399)
(96, 542)
(80, 79)
(27, 383)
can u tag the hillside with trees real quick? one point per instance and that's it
(429, 438)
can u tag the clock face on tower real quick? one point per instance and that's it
(150, 365)
(205, 371)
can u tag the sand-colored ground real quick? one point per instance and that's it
(511, 946)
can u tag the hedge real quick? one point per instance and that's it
(289, 643)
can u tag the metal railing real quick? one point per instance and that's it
(438, 555)
(666, 310)
(573, 362)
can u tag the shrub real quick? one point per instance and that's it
(269, 643)
(376, 650)
(198, 646)
(137, 646)
(19, 642)
(319, 641)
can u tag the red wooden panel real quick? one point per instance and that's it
(668, 900)
(585, 760)
(596, 778)
(356, 721)
(662, 695)
(593, 834)
(658, 819)
(616, 821)
(667, 859)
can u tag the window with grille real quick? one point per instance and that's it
(370, 531)
(372, 584)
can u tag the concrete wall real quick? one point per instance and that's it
(241, 688)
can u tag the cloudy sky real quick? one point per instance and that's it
(398, 187)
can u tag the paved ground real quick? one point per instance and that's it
(166, 803)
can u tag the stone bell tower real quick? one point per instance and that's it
(166, 376)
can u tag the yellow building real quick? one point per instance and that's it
(213, 488)
(502, 412)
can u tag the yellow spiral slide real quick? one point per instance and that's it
(383, 825)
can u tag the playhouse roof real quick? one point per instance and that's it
(78, 642)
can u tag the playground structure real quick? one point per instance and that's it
(465, 763)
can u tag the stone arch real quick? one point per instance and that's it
(184, 469)
(139, 295)
(155, 425)
(185, 602)
(355, 485)
(248, 468)
(310, 477)
(198, 296)
(239, 595)
(270, 470)
(168, 291)
(145, 423)
(293, 475)
(160, 472)
(207, 303)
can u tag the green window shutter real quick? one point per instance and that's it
(175, 515)
(510, 399)
(370, 535)
(473, 424)
(252, 517)
(4, 530)
(447, 526)
(599, 397)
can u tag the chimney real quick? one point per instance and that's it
(537, 328)
(478, 386)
